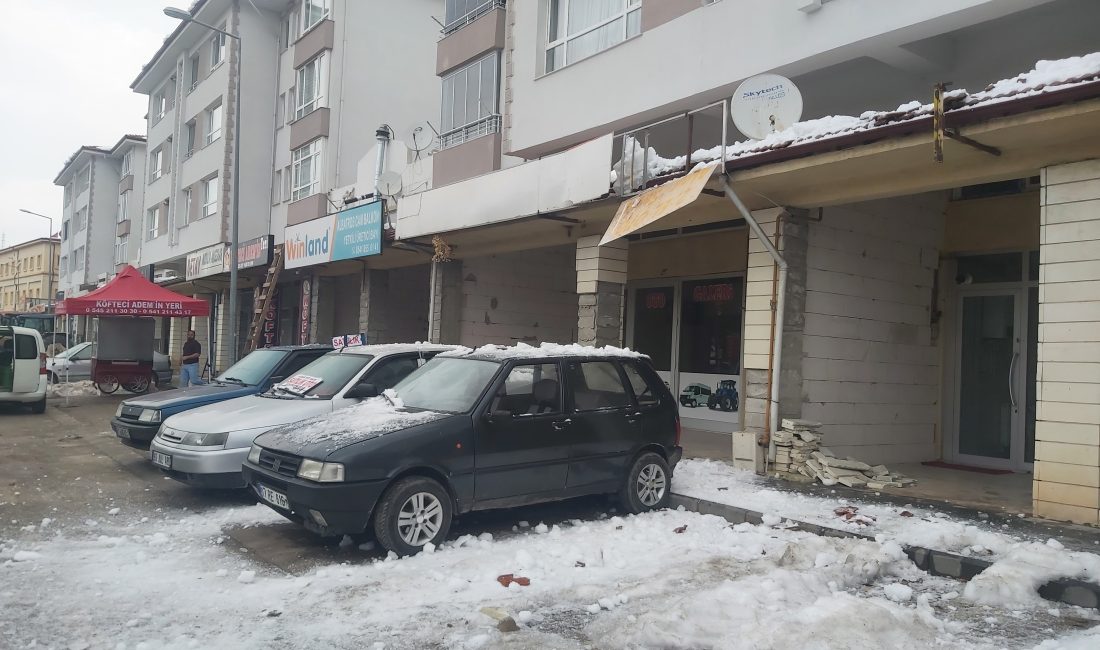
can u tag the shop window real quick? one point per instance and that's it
(653, 316)
(710, 326)
(1001, 267)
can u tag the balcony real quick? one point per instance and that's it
(484, 126)
(478, 12)
(481, 31)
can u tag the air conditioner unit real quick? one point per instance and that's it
(164, 276)
(102, 277)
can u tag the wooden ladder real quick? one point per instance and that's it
(262, 302)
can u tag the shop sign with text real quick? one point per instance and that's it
(355, 232)
(206, 261)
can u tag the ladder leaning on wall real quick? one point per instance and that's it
(263, 296)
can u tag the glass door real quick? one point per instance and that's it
(651, 326)
(992, 368)
(709, 359)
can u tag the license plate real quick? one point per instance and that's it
(163, 460)
(273, 497)
(122, 432)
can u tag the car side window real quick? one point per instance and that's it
(25, 347)
(644, 392)
(83, 355)
(533, 389)
(597, 385)
(388, 373)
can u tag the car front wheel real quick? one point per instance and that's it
(647, 484)
(414, 511)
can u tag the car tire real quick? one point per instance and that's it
(648, 484)
(414, 511)
(54, 379)
(39, 407)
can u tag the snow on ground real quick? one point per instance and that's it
(672, 579)
(1021, 565)
(72, 389)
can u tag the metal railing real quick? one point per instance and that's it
(627, 136)
(470, 17)
(484, 126)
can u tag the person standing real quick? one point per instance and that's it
(189, 362)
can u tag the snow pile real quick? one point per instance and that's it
(525, 351)
(1014, 580)
(368, 419)
(72, 389)
(1047, 76)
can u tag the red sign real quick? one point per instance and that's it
(307, 295)
(712, 293)
(270, 326)
(300, 384)
(656, 300)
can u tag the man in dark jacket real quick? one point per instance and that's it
(189, 362)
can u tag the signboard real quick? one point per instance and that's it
(206, 261)
(303, 328)
(254, 252)
(639, 211)
(300, 384)
(349, 341)
(269, 329)
(348, 234)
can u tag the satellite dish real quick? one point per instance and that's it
(765, 104)
(421, 138)
(389, 184)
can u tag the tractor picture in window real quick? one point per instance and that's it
(694, 395)
(724, 397)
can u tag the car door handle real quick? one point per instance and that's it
(562, 424)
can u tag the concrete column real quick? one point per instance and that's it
(795, 246)
(445, 302)
(223, 326)
(1067, 448)
(601, 286)
(176, 336)
(202, 327)
(759, 285)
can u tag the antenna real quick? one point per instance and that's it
(765, 104)
(422, 138)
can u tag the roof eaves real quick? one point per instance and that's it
(75, 157)
(168, 41)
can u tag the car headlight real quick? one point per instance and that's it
(315, 470)
(204, 439)
(254, 455)
(148, 415)
(118, 411)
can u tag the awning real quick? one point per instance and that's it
(130, 294)
(639, 211)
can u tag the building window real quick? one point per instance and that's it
(120, 248)
(186, 218)
(68, 194)
(313, 12)
(577, 29)
(286, 183)
(65, 230)
(277, 187)
(463, 12)
(210, 196)
(310, 78)
(189, 139)
(156, 165)
(82, 180)
(63, 266)
(81, 218)
(213, 123)
(159, 106)
(78, 259)
(307, 172)
(280, 114)
(152, 223)
(193, 71)
(122, 200)
(127, 162)
(470, 100)
(217, 49)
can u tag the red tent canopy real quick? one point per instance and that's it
(129, 294)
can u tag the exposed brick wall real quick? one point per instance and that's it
(395, 304)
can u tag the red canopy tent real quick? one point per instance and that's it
(130, 294)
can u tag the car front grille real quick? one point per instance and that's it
(131, 412)
(283, 464)
(170, 435)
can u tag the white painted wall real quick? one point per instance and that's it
(528, 296)
(870, 369)
(701, 56)
(102, 218)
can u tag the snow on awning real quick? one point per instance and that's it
(643, 209)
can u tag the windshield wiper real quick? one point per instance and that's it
(233, 380)
(386, 394)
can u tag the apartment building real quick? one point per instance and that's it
(130, 156)
(28, 274)
(909, 283)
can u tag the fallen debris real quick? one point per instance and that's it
(799, 456)
(507, 579)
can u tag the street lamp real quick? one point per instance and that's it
(234, 221)
(49, 283)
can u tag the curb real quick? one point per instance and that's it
(933, 562)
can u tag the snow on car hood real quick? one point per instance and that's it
(244, 413)
(369, 419)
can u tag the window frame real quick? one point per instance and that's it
(78, 259)
(304, 13)
(571, 391)
(152, 226)
(320, 66)
(209, 205)
(156, 164)
(212, 135)
(299, 191)
(217, 48)
(190, 132)
(494, 106)
(530, 363)
(187, 200)
(121, 243)
(629, 7)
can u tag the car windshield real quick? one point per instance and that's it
(334, 369)
(71, 351)
(447, 384)
(253, 369)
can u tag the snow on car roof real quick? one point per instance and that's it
(383, 349)
(525, 351)
(368, 419)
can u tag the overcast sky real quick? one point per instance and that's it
(67, 68)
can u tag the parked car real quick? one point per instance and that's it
(476, 430)
(137, 420)
(205, 447)
(694, 395)
(55, 342)
(23, 367)
(75, 364)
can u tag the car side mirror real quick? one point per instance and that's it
(363, 391)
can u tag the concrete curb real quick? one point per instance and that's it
(937, 563)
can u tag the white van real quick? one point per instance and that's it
(23, 367)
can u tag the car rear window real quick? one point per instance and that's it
(597, 385)
(25, 347)
(644, 391)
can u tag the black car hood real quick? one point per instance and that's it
(320, 436)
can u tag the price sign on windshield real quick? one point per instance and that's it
(300, 384)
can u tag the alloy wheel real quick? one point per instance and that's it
(651, 485)
(420, 519)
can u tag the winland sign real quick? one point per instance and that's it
(352, 233)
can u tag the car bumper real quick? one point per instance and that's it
(133, 433)
(23, 398)
(328, 509)
(213, 468)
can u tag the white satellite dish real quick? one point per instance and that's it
(765, 104)
(389, 184)
(421, 139)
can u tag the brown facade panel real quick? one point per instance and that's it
(658, 12)
(481, 36)
(302, 210)
(467, 160)
(126, 184)
(313, 42)
(309, 128)
(123, 228)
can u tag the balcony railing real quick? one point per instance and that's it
(484, 126)
(478, 12)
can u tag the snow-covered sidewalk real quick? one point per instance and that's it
(672, 579)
